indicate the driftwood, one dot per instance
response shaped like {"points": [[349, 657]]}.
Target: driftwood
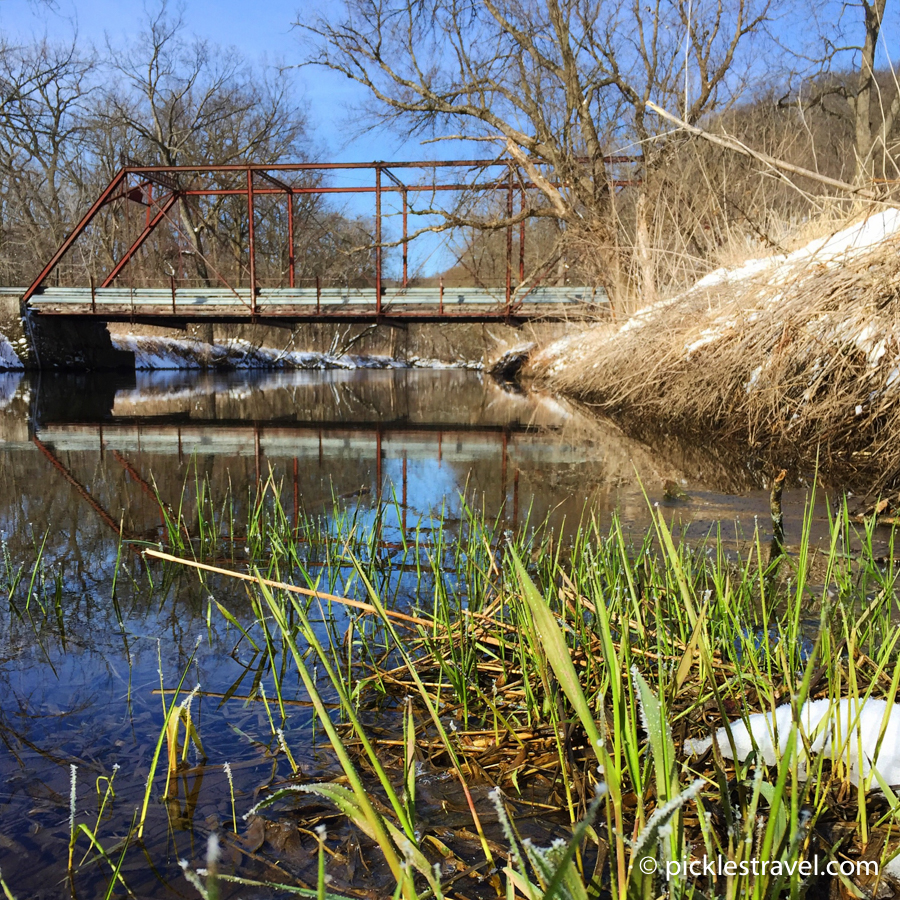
{"points": [[292, 588]]}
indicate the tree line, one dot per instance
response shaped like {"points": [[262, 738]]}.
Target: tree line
{"points": [[70, 117], [556, 86], [562, 85]]}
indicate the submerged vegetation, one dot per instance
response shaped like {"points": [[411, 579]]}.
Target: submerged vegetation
{"points": [[505, 714]]}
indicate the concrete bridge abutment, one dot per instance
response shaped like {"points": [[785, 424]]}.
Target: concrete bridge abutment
{"points": [[50, 343]]}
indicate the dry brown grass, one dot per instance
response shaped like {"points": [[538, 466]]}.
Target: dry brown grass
{"points": [[803, 359]]}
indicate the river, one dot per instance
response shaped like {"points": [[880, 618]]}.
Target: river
{"points": [[90, 467]]}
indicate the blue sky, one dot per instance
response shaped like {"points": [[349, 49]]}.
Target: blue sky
{"points": [[262, 31]]}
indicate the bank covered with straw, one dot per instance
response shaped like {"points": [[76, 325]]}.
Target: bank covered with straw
{"points": [[796, 353]]}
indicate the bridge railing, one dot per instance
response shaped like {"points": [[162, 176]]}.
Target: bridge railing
{"points": [[195, 302]]}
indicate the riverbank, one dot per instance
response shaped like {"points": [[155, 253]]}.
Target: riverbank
{"points": [[795, 355], [153, 353], [31, 341]]}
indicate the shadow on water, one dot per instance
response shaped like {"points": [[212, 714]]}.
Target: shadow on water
{"points": [[82, 646]]}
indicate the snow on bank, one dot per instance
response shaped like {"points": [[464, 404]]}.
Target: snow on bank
{"points": [[827, 251], [155, 353], [763, 283], [9, 359]]}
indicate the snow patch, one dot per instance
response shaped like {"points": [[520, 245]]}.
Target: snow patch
{"points": [[754, 377], [422, 362], [847, 729], [9, 359], [830, 251], [161, 353]]}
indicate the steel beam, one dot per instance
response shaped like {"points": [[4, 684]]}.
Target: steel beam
{"points": [[378, 239], [311, 167], [118, 178], [252, 246], [385, 189], [405, 240], [291, 272], [148, 230], [509, 212]]}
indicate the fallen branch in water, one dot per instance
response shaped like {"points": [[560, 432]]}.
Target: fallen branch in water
{"points": [[292, 588]]}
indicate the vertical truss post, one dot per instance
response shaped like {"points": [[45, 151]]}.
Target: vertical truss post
{"points": [[405, 244], [378, 240], [252, 245], [291, 275], [509, 211], [125, 215], [522, 243]]}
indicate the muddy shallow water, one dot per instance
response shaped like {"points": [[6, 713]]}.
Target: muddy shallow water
{"points": [[82, 653]]}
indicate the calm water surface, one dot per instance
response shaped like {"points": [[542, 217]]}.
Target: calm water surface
{"points": [[80, 657]]}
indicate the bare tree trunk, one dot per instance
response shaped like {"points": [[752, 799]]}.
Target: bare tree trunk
{"points": [[193, 236], [643, 251], [861, 103]]}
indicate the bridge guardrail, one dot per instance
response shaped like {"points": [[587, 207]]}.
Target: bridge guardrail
{"points": [[164, 301]]}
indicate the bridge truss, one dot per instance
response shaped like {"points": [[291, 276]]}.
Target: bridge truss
{"points": [[262, 202]]}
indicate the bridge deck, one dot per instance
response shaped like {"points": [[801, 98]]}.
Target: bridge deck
{"points": [[423, 303]]}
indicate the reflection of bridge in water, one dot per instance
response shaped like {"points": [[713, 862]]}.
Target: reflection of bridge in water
{"points": [[513, 447], [316, 441], [425, 437]]}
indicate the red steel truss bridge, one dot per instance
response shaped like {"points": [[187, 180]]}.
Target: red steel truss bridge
{"points": [[263, 229]]}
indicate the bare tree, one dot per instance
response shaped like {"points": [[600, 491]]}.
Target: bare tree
{"points": [[44, 92], [556, 84], [183, 101], [844, 81]]}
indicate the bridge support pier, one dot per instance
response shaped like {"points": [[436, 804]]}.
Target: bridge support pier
{"points": [[49, 344]]}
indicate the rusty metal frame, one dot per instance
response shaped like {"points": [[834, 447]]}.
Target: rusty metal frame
{"points": [[86, 220], [139, 241], [180, 182]]}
